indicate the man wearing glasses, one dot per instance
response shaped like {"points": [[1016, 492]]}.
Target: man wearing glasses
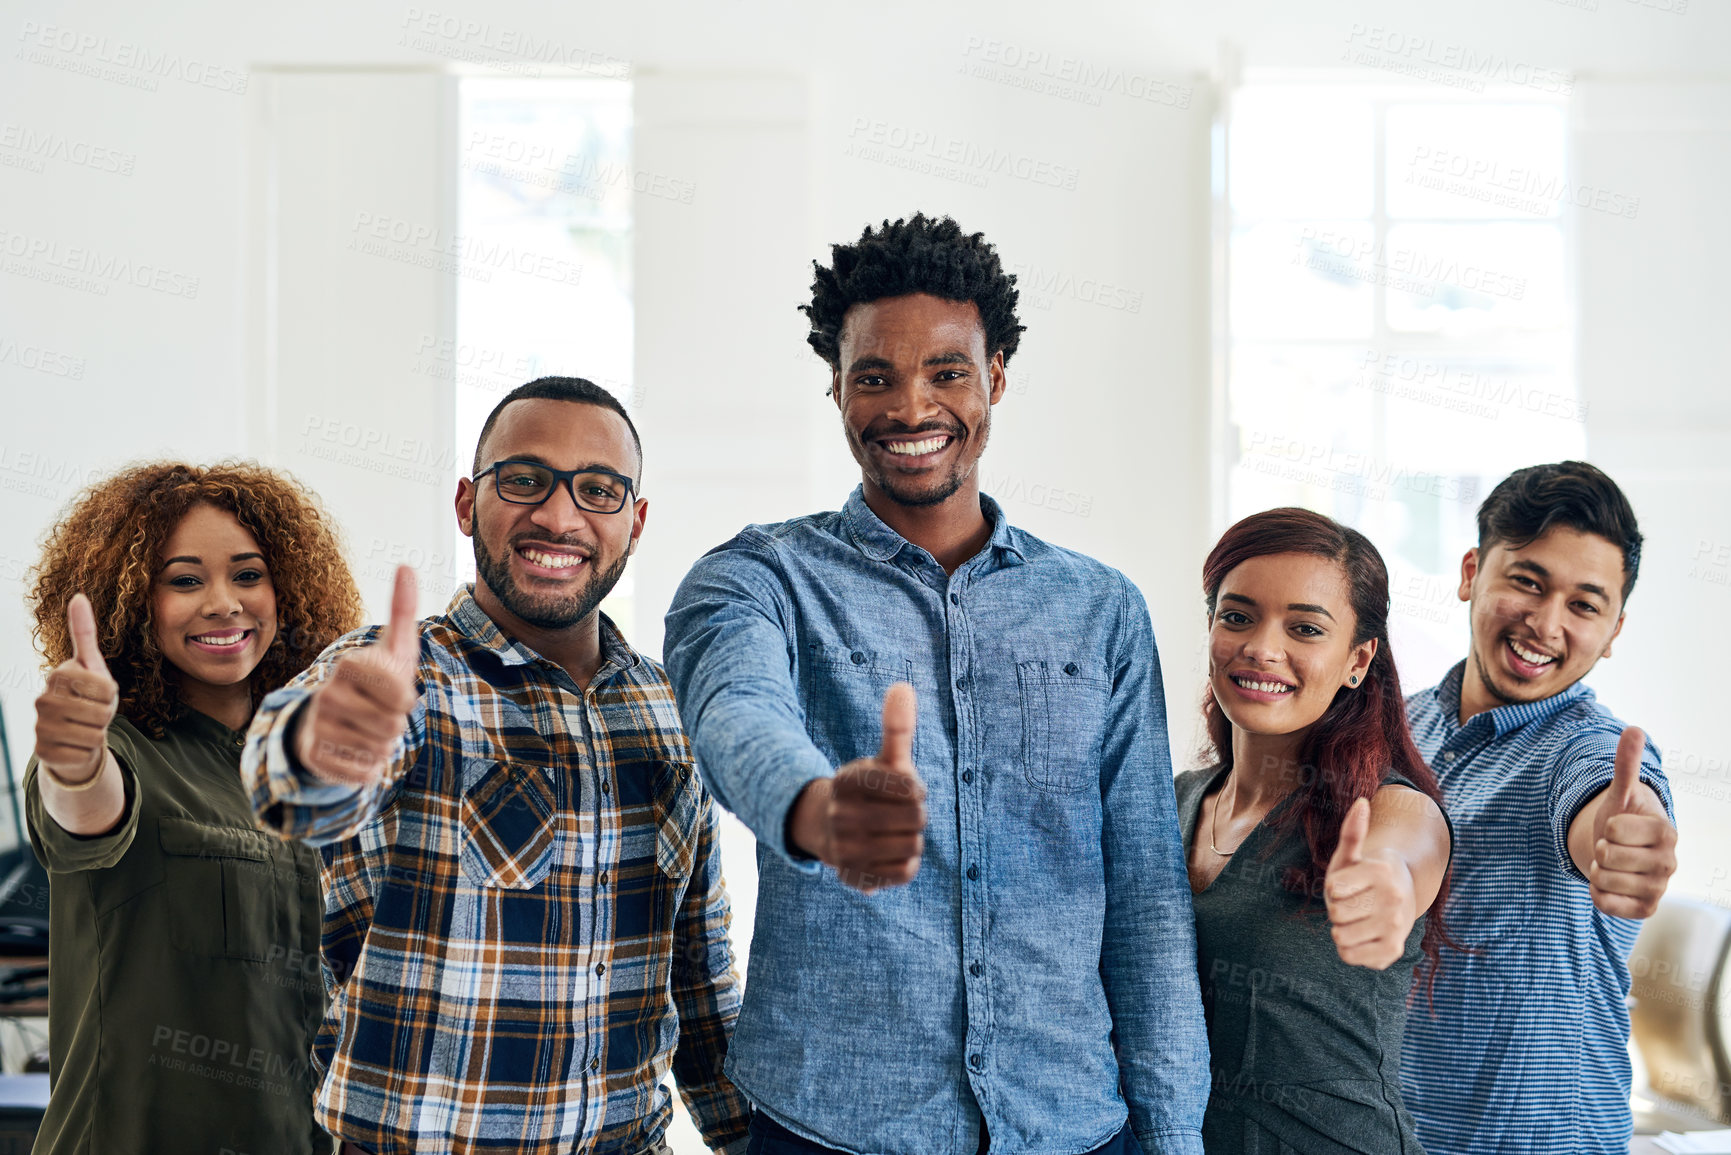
{"points": [[525, 921]]}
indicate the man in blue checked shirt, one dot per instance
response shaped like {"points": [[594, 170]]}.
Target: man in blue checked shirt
{"points": [[1563, 834], [525, 920], [973, 927]]}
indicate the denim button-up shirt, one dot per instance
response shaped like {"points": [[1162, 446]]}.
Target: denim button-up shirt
{"points": [[1039, 974]]}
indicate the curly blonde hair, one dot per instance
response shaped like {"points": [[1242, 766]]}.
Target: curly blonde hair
{"points": [[107, 546]]}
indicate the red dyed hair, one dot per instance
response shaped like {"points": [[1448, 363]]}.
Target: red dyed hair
{"points": [[1363, 734]]}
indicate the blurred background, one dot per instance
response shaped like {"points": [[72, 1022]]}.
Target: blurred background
{"points": [[1362, 257]]}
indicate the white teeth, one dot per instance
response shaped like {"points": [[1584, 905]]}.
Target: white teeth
{"points": [[552, 560], [1529, 656], [916, 448], [1265, 687], [219, 639]]}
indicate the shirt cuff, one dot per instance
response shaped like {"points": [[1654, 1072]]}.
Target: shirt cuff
{"points": [[62, 851], [1180, 1142], [737, 1147], [795, 857]]}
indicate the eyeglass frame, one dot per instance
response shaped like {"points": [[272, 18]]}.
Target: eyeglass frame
{"points": [[561, 477]]}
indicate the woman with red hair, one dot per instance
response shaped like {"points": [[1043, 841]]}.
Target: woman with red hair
{"points": [[1317, 845], [184, 975]]}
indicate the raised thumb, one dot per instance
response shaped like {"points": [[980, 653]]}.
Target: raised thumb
{"points": [[1350, 849], [81, 622], [900, 713]]}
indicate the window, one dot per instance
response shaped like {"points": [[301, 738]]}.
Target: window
{"points": [[1397, 332], [544, 287]]}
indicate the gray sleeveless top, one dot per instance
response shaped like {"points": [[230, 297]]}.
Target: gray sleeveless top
{"points": [[1304, 1049]]}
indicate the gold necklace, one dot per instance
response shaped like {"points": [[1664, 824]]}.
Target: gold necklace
{"points": [[1214, 826]]}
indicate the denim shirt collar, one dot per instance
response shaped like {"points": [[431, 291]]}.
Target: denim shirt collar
{"points": [[468, 616], [881, 543], [1504, 720]]}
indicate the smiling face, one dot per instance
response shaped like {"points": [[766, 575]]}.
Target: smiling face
{"points": [[1542, 615], [916, 388], [1280, 643], [551, 564], [213, 608]]}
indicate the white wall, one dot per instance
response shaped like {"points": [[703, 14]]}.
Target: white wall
{"points": [[1655, 372], [1110, 401]]}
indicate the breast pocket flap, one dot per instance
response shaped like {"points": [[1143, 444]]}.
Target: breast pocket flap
{"points": [[510, 827]]}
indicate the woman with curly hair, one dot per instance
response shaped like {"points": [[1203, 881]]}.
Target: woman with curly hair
{"points": [[184, 975], [1317, 843]]}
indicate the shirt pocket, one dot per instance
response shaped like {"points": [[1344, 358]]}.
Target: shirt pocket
{"points": [[844, 699], [1063, 722], [220, 881], [510, 829], [678, 814]]}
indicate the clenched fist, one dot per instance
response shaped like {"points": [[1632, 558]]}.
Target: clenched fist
{"points": [[1370, 898], [869, 820], [351, 723], [74, 710], [1634, 843]]}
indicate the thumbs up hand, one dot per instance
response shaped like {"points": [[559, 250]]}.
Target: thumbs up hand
{"points": [[1369, 895], [1634, 843], [75, 708], [869, 820], [351, 723]]}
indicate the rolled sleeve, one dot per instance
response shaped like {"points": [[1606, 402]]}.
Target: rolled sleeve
{"points": [[728, 658], [1183, 1142], [58, 849], [1584, 768], [1148, 951]]}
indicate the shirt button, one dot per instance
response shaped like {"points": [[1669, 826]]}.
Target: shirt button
{"points": [[973, 872], [962, 684], [606, 787], [594, 1064], [976, 1060], [955, 599], [600, 968], [1071, 668], [976, 970], [1448, 755], [603, 878], [967, 775], [857, 657]]}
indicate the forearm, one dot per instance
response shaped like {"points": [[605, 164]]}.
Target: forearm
{"points": [[96, 808], [1148, 945], [707, 1011], [706, 995], [1408, 830], [729, 656], [1148, 966]]}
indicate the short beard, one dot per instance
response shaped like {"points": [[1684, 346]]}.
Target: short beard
{"points": [[946, 490], [496, 574], [1489, 683], [948, 487]]}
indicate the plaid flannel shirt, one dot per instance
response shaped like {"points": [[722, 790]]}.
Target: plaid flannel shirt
{"points": [[525, 919]]}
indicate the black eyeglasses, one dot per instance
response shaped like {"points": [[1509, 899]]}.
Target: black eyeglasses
{"points": [[531, 483]]}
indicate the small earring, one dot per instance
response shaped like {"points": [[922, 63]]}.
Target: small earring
{"points": [[1353, 680]]}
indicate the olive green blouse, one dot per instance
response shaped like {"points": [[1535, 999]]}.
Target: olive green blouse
{"points": [[184, 979]]}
